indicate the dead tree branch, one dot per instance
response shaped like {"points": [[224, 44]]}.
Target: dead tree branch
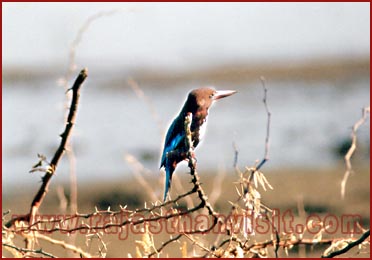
{"points": [[138, 170], [349, 246], [267, 138], [141, 95], [63, 244], [79, 37], [38, 199], [25, 250], [352, 148]]}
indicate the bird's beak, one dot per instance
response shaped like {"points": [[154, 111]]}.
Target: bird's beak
{"points": [[223, 93]]}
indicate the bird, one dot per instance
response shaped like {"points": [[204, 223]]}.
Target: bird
{"points": [[197, 103]]}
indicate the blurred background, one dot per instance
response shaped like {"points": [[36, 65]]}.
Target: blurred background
{"points": [[315, 58], [143, 59]]}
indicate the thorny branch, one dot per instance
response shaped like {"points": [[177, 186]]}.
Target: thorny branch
{"points": [[38, 199], [129, 221]]}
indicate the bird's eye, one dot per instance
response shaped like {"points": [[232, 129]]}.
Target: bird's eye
{"points": [[211, 95]]}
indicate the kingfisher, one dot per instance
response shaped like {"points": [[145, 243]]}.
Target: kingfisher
{"points": [[197, 103]]}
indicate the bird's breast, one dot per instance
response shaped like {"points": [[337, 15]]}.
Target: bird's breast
{"points": [[202, 129], [198, 128]]}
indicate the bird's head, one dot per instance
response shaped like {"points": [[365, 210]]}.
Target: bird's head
{"points": [[204, 97]]}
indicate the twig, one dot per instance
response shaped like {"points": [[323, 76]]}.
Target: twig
{"points": [[25, 250], [229, 240], [5, 213], [79, 36], [352, 148], [199, 245], [176, 181], [277, 241], [62, 198], [267, 138], [97, 236], [349, 246], [157, 251], [73, 179], [138, 168], [236, 155], [38, 199], [141, 95], [63, 244], [288, 243], [217, 186]]}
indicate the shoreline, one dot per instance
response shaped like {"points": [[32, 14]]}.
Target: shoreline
{"points": [[317, 69]]}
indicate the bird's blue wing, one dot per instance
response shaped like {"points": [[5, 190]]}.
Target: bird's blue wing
{"points": [[172, 140], [174, 137]]}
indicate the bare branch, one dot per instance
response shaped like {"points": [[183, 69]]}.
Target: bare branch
{"points": [[63, 244], [195, 242], [352, 148], [267, 138], [38, 199], [141, 95], [236, 155], [217, 186], [138, 168], [157, 251], [25, 250], [349, 246], [79, 37]]}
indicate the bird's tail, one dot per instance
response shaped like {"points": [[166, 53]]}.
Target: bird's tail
{"points": [[168, 179]]}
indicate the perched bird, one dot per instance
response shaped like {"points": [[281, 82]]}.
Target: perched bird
{"points": [[198, 102]]}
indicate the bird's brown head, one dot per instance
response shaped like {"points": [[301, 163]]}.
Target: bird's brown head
{"points": [[201, 99]]}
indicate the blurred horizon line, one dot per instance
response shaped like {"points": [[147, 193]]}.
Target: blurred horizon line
{"points": [[316, 69]]}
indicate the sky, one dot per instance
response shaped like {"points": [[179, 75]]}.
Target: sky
{"points": [[178, 35]]}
